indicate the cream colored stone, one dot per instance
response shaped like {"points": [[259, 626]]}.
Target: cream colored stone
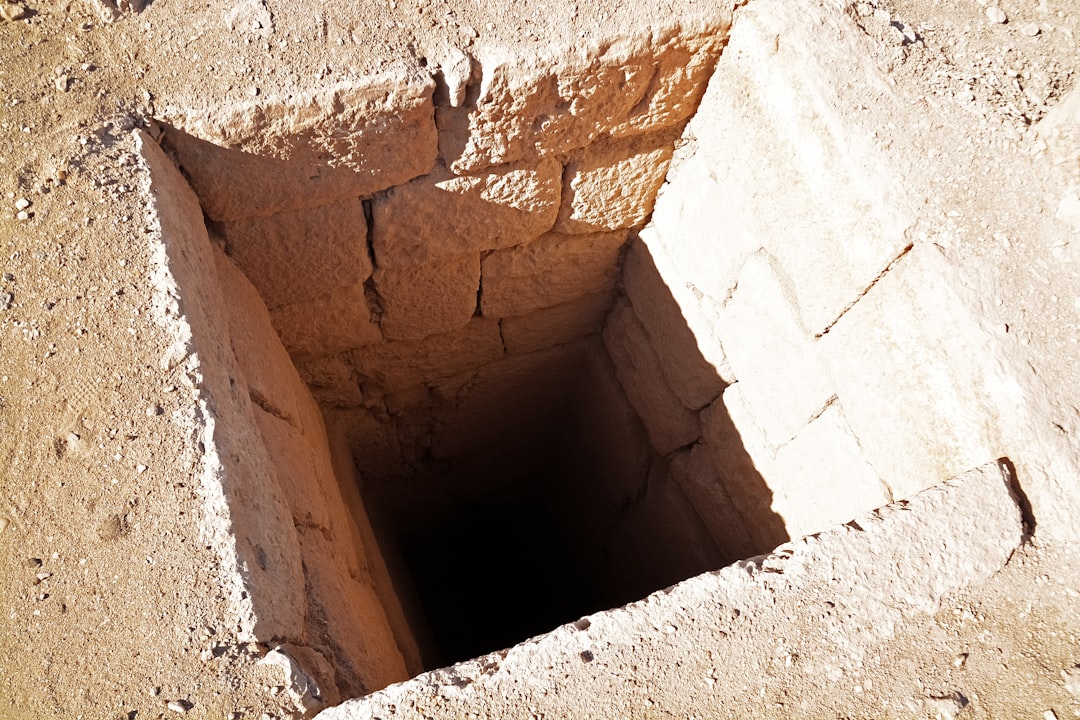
{"points": [[552, 269], [422, 300], [774, 359], [669, 423], [442, 215], [296, 256], [557, 324], [285, 153], [612, 185], [922, 383], [693, 378], [334, 322], [402, 364], [532, 106], [775, 160]]}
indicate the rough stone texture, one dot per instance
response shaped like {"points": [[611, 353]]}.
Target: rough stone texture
{"points": [[694, 379], [669, 423], [550, 105], [552, 269], [818, 478], [557, 324], [694, 472], [336, 321], [956, 534], [246, 519], [296, 256], [964, 394], [442, 215], [422, 300], [406, 363], [774, 359], [612, 185], [775, 163], [276, 154], [331, 381]]}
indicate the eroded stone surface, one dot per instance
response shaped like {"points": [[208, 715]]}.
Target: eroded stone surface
{"points": [[422, 300]]}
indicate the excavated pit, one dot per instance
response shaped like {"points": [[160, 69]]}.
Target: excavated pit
{"points": [[566, 369]]}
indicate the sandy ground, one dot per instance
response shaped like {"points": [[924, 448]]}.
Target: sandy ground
{"points": [[94, 487]]}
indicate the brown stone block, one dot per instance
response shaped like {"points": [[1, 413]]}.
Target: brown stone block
{"points": [[402, 364], [301, 254], [335, 321], [558, 324], [443, 215], [422, 300], [552, 269], [613, 185]]}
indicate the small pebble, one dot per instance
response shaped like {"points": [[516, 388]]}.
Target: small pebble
{"points": [[8, 277], [5, 300], [61, 83], [1032, 30], [3, 524], [154, 410], [1072, 681], [179, 706], [22, 204], [22, 215], [13, 11], [1049, 715], [996, 15]]}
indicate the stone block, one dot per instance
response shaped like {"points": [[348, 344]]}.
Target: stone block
{"points": [[920, 380], [443, 215], [556, 325], [693, 378], [612, 185], [774, 359], [372, 439], [275, 154], [260, 355], [669, 423], [331, 380], [552, 269], [740, 456], [402, 364], [422, 300], [778, 163], [531, 106], [299, 255], [294, 461], [703, 487], [332, 323]]}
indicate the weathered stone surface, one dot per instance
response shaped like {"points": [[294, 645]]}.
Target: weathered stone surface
{"points": [[693, 378], [331, 323], [330, 380], [550, 105], [277, 154], [372, 440], [774, 359], [443, 215], [296, 256], [669, 423], [612, 185], [406, 363], [556, 325], [950, 537], [738, 451], [776, 162], [694, 472], [918, 376], [244, 519], [552, 269], [423, 300]]}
